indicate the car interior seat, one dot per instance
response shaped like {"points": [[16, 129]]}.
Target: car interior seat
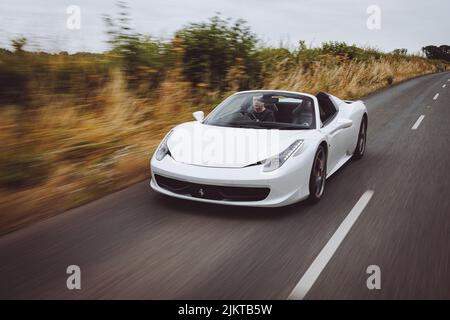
{"points": [[303, 113], [274, 108]]}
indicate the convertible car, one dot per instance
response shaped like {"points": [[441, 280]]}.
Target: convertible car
{"points": [[263, 148]]}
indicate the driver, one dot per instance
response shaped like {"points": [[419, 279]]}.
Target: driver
{"points": [[260, 112]]}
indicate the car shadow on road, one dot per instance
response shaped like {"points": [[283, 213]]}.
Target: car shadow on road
{"points": [[182, 206]]}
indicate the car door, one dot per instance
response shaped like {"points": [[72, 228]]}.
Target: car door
{"points": [[348, 123], [335, 129]]}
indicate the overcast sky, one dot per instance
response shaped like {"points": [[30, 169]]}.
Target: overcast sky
{"points": [[404, 24]]}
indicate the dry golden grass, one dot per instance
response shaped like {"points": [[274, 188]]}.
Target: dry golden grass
{"points": [[89, 154], [350, 79]]}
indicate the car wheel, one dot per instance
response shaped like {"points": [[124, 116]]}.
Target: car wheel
{"points": [[362, 137], [318, 175]]}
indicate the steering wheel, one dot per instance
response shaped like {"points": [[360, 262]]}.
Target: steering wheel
{"points": [[249, 114]]}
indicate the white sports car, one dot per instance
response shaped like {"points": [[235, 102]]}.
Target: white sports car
{"points": [[263, 148]]}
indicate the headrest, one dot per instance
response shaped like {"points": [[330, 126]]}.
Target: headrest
{"points": [[270, 100], [304, 107], [272, 106]]}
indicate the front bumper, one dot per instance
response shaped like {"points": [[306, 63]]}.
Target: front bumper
{"points": [[287, 184]]}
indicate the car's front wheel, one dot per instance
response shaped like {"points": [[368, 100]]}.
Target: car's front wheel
{"points": [[318, 175]]}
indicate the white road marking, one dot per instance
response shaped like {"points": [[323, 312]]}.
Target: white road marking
{"points": [[444, 85], [417, 124], [436, 96], [314, 270]]}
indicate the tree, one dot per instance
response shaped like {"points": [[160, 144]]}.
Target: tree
{"points": [[18, 44], [440, 53], [143, 57], [402, 51], [213, 48]]}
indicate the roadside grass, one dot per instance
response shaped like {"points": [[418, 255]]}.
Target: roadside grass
{"points": [[350, 79]]}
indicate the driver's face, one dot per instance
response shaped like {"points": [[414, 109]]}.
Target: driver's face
{"points": [[258, 106]]}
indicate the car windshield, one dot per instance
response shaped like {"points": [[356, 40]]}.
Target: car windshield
{"points": [[263, 109]]}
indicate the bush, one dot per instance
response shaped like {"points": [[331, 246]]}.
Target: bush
{"points": [[351, 52], [400, 52], [144, 60], [21, 167], [27, 77], [210, 49], [13, 83]]}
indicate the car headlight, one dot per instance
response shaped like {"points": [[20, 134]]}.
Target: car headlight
{"points": [[277, 161], [163, 149]]}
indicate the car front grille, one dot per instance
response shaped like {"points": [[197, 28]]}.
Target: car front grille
{"points": [[212, 192]]}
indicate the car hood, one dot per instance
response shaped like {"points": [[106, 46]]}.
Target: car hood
{"points": [[214, 146]]}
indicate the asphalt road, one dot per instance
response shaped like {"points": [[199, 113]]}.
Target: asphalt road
{"points": [[138, 244]]}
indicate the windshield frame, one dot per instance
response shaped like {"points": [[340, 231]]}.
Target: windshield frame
{"points": [[277, 125]]}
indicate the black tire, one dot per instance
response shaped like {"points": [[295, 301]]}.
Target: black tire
{"points": [[362, 139], [318, 175]]}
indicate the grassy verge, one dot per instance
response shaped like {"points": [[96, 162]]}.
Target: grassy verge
{"points": [[58, 157]]}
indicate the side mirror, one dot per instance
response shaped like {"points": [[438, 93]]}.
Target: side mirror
{"points": [[199, 116], [345, 123]]}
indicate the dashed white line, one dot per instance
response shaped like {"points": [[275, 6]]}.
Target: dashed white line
{"points": [[418, 122], [444, 85], [314, 270], [436, 96]]}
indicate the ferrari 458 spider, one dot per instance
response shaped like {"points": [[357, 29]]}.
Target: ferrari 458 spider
{"points": [[263, 148]]}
